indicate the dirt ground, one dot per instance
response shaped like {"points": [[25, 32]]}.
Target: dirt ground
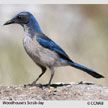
{"points": [[71, 91]]}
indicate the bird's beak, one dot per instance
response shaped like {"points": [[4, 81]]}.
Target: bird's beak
{"points": [[9, 22]]}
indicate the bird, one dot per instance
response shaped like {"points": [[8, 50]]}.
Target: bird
{"points": [[43, 50]]}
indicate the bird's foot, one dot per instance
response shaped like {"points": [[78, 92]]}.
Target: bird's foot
{"points": [[42, 86], [32, 84], [39, 85]]}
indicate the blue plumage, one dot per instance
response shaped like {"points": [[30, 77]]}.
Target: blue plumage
{"points": [[81, 66], [32, 23], [85, 69], [48, 43], [51, 45]]}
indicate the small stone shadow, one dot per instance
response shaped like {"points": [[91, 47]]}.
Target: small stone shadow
{"points": [[86, 83]]}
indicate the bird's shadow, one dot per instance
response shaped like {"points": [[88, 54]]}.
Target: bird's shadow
{"points": [[56, 85], [47, 86]]}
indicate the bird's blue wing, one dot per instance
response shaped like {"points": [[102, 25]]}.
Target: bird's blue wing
{"points": [[51, 45]]}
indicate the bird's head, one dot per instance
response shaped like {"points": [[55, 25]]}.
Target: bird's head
{"points": [[21, 18], [27, 20]]}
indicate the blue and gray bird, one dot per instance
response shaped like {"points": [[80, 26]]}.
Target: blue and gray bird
{"points": [[44, 51]]}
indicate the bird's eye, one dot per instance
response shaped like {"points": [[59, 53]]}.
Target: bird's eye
{"points": [[19, 17]]}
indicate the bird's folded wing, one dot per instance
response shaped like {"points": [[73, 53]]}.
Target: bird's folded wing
{"points": [[51, 45]]}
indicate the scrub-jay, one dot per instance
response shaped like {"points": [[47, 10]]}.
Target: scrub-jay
{"points": [[43, 51]]}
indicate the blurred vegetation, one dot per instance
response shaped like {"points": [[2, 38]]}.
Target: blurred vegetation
{"points": [[81, 30]]}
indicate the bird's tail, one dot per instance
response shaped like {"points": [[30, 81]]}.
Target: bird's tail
{"points": [[85, 69]]}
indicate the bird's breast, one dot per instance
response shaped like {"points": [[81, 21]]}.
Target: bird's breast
{"points": [[40, 54], [31, 48]]}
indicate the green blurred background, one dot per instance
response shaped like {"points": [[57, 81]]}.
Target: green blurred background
{"points": [[81, 30]]}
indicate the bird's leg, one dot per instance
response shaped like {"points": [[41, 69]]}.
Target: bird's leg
{"points": [[34, 82], [43, 71], [52, 74]]}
